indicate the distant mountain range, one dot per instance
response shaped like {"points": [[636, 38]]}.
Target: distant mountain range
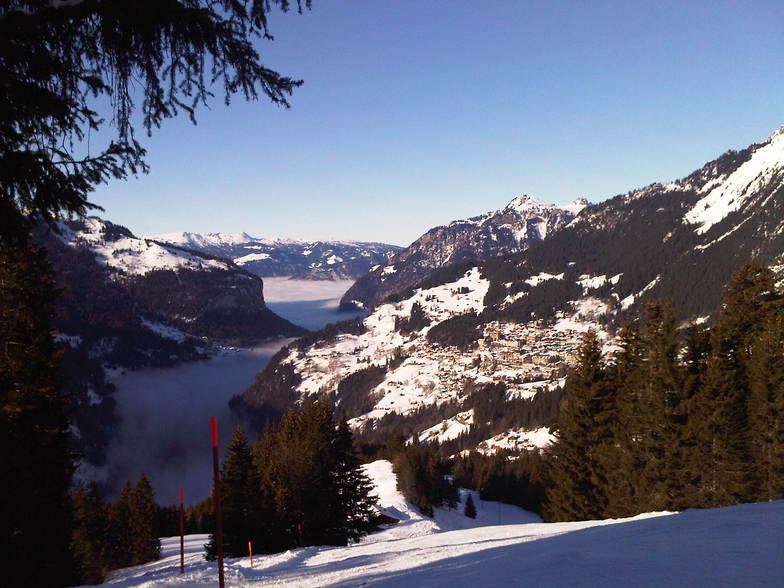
{"points": [[521, 223], [307, 260], [513, 322]]}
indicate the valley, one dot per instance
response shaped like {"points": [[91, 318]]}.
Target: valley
{"points": [[401, 294], [163, 412]]}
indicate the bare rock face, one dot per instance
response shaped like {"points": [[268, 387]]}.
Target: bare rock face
{"points": [[514, 228]]}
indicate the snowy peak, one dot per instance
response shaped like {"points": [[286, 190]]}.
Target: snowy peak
{"points": [[316, 260], [116, 247], [207, 240], [526, 204], [576, 206], [512, 229], [729, 193]]}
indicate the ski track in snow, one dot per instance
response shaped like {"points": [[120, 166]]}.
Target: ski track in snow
{"points": [[739, 546]]}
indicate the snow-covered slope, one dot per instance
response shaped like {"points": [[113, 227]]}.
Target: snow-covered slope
{"points": [[514, 228], [197, 293], [736, 546], [305, 260], [116, 247], [728, 193], [406, 359]]}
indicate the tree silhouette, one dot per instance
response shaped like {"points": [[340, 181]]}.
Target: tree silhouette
{"points": [[73, 73], [61, 62]]}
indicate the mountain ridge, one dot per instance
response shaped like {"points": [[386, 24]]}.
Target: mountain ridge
{"points": [[511, 229], [515, 321], [299, 259]]}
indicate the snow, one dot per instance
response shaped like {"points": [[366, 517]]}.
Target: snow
{"points": [[71, 340], [542, 277], [725, 235], [517, 439], [629, 300], [251, 257], [448, 429], [584, 316], [404, 388], [739, 546], [576, 206], [165, 331], [588, 282], [209, 239], [134, 256], [333, 259], [730, 193]]}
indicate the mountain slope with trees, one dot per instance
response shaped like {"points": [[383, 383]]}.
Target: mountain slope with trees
{"points": [[519, 317], [676, 420], [514, 228]]}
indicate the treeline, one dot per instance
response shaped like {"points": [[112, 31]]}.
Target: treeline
{"points": [[673, 419], [300, 485], [416, 321], [519, 479], [495, 414], [421, 477], [677, 420], [107, 536]]}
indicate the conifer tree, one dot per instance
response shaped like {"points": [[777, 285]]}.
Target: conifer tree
{"points": [[420, 479], [693, 415], [660, 440], [622, 459], [766, 411], [584, 431], [144, 543], [34, 423], [310, 476], [242, 508], [119, 538], [355, 490], [749, 300], [89, 533], [470, 508]]}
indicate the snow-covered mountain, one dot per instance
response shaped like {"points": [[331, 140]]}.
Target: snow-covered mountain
{"points": [[421, 360], [199, 294], [512, 229], [129, 303], [310, 260], [505, 546]]}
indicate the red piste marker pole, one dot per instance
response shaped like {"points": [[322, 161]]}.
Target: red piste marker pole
{"points": [[216, 498], [250, 552], [182, 530]]}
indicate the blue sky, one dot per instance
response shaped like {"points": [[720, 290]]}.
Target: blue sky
{"points": [[415, 113]]}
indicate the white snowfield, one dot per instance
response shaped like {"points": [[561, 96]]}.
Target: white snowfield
{"points": [[740, 546], [132, 255], [727, 194]]}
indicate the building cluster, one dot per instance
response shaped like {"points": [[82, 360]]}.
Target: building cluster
{"points": [[534, 350]]}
